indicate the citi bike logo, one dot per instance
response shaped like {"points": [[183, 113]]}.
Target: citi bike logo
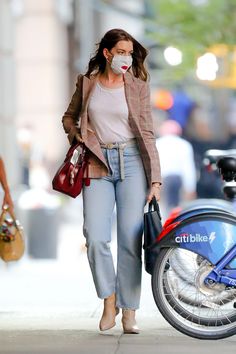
{"points": [[193, 238]]}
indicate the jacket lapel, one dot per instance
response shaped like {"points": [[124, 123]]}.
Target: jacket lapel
{"points": [[88, 87], [87, 132], [131, 94], [87, 90]]}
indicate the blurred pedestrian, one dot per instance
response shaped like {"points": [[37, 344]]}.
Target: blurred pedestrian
{"points": [[111, 105], [7, 200], [177, 166], [182, 108]]}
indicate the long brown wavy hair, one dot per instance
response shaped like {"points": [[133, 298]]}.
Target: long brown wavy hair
{"points": [[98, 62]]}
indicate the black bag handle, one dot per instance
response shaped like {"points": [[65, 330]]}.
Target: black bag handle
{"points": [[154, 206]]}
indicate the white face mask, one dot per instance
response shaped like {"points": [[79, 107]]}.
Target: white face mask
{"points": [[121, 63]]}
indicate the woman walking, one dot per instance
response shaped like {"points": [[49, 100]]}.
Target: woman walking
{"points": [[110, 113]]}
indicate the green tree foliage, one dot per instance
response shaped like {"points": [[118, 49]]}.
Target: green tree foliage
{"points": [[192, 26]]}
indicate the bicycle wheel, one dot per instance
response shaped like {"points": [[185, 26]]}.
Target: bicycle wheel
{"points": [[208, 313], [178, 261]]}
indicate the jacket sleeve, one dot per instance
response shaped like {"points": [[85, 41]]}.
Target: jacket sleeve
{"points": [[71, 117], [147, 128]]}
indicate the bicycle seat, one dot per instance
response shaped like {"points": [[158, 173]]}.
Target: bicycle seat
{"points": [[227, 167]]}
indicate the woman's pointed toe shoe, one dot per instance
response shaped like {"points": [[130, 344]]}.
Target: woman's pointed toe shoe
{"points": [[110, 312], [129, 322]]}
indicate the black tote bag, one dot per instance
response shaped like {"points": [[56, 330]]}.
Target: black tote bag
{"points": [[152, 228]]}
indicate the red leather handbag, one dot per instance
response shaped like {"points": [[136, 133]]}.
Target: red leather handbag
{"points": [[73, 173]]}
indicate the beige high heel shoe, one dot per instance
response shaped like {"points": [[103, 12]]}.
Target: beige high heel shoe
{"points": [[110, 312], [129, 322]]}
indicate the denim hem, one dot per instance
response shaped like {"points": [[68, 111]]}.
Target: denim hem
{"points": [[106, 296], [127, 307]]}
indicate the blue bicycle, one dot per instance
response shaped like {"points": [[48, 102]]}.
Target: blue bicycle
{"points": [[194, 277]]}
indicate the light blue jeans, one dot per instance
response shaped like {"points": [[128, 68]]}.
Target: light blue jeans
{"points": [[99, 200]]}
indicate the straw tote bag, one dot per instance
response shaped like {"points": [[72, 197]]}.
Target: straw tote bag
{"points": [[12, 245]]}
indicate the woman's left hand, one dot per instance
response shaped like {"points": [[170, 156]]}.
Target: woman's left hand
{"points": [[154, 192]]}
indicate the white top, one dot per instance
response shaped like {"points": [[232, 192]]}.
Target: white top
{"points": [[108, 114], [176, 157]]}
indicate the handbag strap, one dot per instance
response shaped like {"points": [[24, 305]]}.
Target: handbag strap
{"points": [[6, 211], [2, 216], [154, 206]]}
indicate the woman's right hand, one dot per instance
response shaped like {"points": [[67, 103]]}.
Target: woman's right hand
{"points": [[79, 138]]}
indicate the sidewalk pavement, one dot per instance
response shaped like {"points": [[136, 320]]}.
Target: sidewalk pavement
{"points": [[52, 307]]}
